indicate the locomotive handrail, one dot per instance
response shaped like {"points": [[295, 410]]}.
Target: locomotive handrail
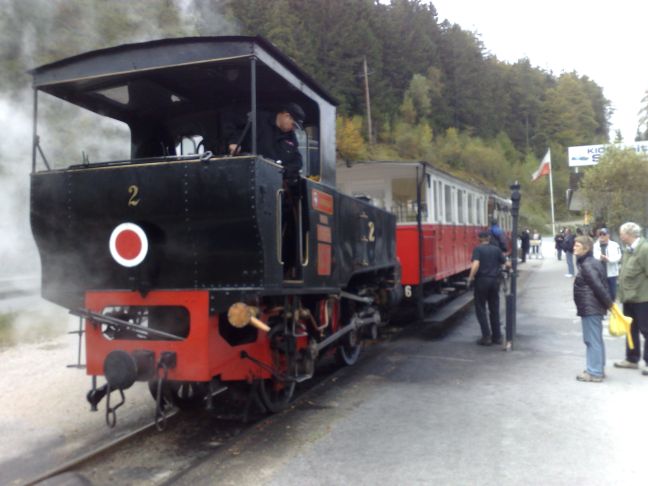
{"points": [[300, 229], [103, 319], [278, 226], [306, 260]]}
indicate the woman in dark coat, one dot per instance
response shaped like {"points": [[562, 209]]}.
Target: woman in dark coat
{"points": [[592, 299]]}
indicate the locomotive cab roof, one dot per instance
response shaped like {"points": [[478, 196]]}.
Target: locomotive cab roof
{"points": [[173, 85]]}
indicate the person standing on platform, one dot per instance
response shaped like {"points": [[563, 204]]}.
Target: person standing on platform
{"points": [[487, 261], [633, 292], [535, 244], [525, 244], [497, 236], [558, 239], [608, 252], [592, 299], [568, 248]]}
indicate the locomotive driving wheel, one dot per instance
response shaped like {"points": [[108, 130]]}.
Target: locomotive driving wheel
{"points": [[277, 391], [349, 349]]}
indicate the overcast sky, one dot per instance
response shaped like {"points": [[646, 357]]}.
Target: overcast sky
{"points": [[604, 40]]}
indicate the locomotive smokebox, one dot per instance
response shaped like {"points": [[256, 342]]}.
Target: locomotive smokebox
{"points": [[122, 369]]}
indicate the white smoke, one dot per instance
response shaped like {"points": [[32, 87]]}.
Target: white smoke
{"points": [[17, 249]]}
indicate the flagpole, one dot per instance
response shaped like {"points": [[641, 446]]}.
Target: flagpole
{"points": [[551, 196]]}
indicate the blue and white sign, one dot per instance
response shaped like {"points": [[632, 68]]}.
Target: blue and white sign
{"points": [[590, 154]]}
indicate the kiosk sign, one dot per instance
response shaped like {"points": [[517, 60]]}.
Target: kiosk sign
{"points": [[590, 154]]}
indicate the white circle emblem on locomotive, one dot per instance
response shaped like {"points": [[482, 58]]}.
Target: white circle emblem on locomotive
{"points": [[128, 244]]}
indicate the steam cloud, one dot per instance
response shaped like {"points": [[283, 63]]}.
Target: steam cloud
{"points": [[65, 132]]}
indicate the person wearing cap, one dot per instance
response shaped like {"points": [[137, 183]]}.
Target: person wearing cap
{"points": [[633, 292], [276, 139], [608, 252], [487, 261]]}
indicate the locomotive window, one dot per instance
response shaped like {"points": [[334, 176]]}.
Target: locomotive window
{"points": [[190, 145], [80, 135], [118, 94]]}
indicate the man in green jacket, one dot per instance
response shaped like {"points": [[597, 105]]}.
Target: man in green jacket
{"points": [[633, 292]]}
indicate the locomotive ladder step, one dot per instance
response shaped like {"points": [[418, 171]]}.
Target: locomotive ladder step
{"points": [[452, 308]]}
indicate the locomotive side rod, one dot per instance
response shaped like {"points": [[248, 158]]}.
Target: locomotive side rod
{"points": [[355, 324], [102, 319]]}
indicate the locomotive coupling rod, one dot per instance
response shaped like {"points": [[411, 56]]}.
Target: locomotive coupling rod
{"points": [[356, 323], [102, 319], [357, 298]]}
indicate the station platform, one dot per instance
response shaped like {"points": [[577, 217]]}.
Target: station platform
{"points": [[445, 411]]}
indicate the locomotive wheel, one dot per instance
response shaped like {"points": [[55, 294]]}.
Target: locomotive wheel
{"points": [[348, 351], [186, 395], [276, 394]]}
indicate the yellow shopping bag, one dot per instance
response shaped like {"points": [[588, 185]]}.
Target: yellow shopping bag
{"points": [[620, 325]]}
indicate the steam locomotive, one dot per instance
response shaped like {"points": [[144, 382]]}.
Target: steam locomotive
{"points": [[194, 270]]}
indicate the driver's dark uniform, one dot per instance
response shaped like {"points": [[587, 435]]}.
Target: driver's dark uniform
{"points": [[274, 144]]}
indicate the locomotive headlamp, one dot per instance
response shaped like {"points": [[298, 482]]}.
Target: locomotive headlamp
{"points": [[240, 315]]}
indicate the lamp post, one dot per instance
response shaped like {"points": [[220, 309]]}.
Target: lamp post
{"points": [[511, 296]]}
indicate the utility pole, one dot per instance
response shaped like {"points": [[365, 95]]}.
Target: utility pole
{"points": [[367, 101]]}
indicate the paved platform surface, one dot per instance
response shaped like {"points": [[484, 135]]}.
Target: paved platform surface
{"points": [[446, 411]]}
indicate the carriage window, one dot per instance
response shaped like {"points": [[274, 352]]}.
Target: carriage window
{"points": [[461, 219], [471, 209], [438, 202], [480, 211], [404, 200], [447, 191]]}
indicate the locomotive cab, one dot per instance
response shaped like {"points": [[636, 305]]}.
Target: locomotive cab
{"points": [[190, 265]]}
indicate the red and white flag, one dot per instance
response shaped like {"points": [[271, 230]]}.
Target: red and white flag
{"points": [[545, 167]]}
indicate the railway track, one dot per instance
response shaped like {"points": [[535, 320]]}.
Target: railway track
{"points": [[189, 438], [97, 453]]}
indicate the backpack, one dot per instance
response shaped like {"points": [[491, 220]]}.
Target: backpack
{"points": [[499, 241]]}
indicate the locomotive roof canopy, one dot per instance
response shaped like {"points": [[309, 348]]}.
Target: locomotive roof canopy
{"points": [[179, 75]]}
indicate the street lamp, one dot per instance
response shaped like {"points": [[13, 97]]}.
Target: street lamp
{"points": [[511, 296]]}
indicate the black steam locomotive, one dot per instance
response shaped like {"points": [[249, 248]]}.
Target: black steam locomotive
{"points": [[177, 258]]}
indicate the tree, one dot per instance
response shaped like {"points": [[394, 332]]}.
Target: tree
{"points": [[616, 190], [643, 119], [350, 144]]}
